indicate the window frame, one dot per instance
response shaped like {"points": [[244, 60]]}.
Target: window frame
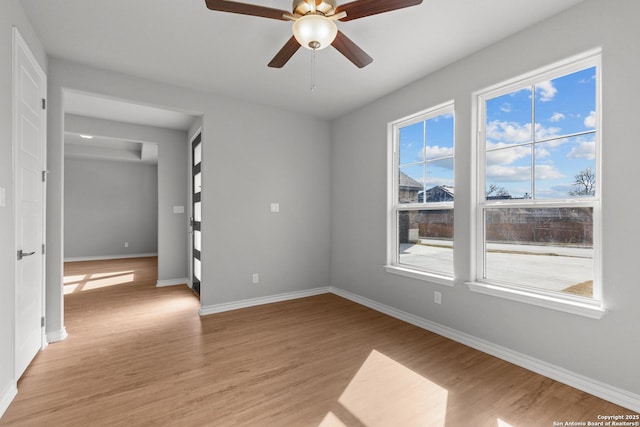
{"points": [[589, 307], [393, 264]]}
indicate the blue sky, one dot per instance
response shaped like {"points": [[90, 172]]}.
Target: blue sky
{"points": [[563, 106], [426, 151]]}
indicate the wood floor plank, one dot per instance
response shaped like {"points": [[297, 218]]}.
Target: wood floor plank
{"points": [[138, 355]]}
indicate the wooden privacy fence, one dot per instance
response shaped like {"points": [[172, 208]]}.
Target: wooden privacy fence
{"points": [[549, 225]]}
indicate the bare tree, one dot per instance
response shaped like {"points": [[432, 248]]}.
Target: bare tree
{"points": [[497, 191], [584, 183]]}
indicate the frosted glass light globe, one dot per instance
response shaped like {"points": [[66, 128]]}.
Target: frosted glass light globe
{"points": [[314, 31]]}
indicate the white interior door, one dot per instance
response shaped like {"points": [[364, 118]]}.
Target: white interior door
{"points": [[29, 125]]}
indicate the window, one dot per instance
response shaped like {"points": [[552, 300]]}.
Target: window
{"points": [[539, 186], [421, 195]]}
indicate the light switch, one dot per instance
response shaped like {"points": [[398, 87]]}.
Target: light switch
{"points": [[275, 207], [178, 209]]}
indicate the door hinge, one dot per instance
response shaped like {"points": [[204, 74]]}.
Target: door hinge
{"points": [[44, 104], [43, 248], [44, 176], [42, 322]]}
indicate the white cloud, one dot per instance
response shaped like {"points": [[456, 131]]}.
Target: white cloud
{"points": [[500, 173], [584, 150], [507, 156], [590, 120], [436, 152], [544, 133], [442, 116], [547, 90], [542, 153], [556, 117], [506, 107], [547, 172], [508, 132], [434, 181], [505, 133]]}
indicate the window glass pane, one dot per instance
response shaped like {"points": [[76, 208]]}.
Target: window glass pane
{"points": [[197, 182], [425, 239], [197, 269], [508, 119], [412, 143], [197, 154], [439, 137], [197, 240], [410, 183], [197, 211], [565, 167], [544, 248], [508, 173], [439, 180], [566, 105]]}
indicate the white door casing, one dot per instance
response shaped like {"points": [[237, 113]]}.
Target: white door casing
{"points": [[29, 151]]}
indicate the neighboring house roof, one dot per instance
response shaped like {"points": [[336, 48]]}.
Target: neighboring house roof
{"points": [[446, 188], [408, 183], [439, 193]]}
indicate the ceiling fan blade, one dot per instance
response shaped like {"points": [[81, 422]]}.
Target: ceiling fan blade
{"points": [[247, 9], [285, 53], [351, 51], [361, 8]]}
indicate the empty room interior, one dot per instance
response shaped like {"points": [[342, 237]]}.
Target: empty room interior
{"points": [[369, 213]]}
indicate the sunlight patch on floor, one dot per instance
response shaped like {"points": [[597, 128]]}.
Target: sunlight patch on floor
{"points": [[331, 420], [96, 280], [385, 392]]}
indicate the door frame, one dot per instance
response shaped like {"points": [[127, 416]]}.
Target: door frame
{"points": [[18, 43], [197, 135]]}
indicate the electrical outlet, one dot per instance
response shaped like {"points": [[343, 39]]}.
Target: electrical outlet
{"points": [[437, 297], [256, 278], [126, 244]]}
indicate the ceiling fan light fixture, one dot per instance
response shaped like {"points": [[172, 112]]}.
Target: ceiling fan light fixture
{"points": [[314, 32]]}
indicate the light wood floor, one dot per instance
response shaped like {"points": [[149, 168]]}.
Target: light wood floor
{"points": [[141, 355]]}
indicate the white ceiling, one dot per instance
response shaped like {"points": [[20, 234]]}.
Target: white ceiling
{"points": [[183, 43]]}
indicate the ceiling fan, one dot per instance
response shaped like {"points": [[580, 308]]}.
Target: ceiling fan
{"points": [[314, 24]]}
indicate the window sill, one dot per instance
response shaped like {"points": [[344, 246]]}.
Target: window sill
{"points": [[420, 275], [554, 303]]}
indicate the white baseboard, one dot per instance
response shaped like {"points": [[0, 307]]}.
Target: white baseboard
{"points": [[7, 396], [607, 392], [172, 282], [104, 257], [57, 336], [219, 308]]}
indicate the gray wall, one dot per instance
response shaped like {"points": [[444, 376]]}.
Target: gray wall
{"points": [[107, 203], [605, 350], [11, 14], [253, 155]]}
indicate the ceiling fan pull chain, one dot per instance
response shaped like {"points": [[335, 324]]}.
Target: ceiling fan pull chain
{"points": [[313, 70]]}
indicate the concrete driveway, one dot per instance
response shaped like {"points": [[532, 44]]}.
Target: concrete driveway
{"points": [[547, 267]]}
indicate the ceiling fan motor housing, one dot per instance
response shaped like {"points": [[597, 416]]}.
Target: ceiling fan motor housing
{"points": [[323, 7]]}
